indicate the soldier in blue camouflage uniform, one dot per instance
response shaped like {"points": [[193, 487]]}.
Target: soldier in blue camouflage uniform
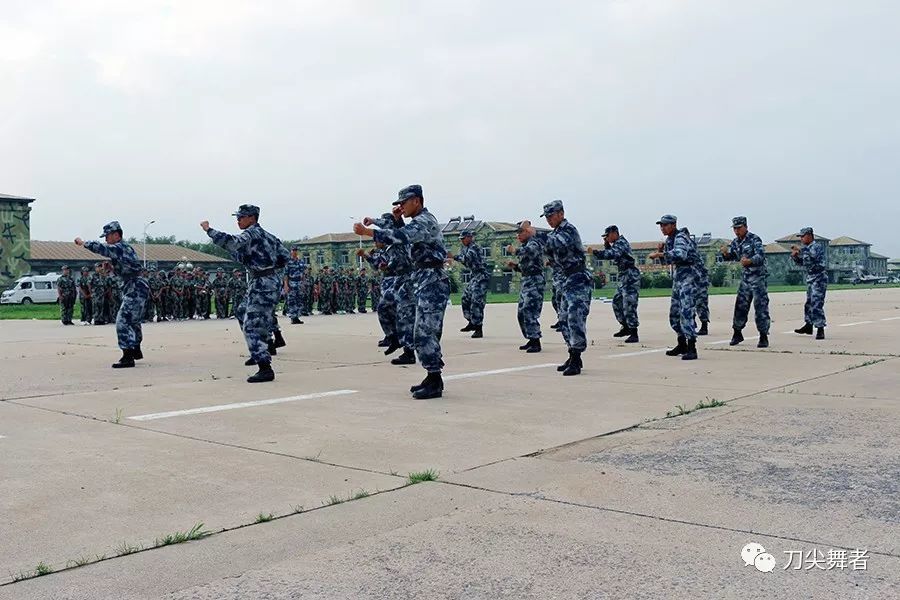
{"points": [[531, 296], [679, 250], [398, 300], [811, 256], [135, 288], [625, 301], [67, 294], [749, 249], [263, 255], [84, 294], [702, 298], [564, 246], [386, 318], [475, 295], [557, 281], [293, 279], [431, 285]]}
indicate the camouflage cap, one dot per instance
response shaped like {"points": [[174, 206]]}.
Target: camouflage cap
{"points": [[519, 227], [806, 230], [220, 270], [667, 220], [552, 207], [738, 222], [85, 269], [64, 267], [246, 210], [410, 191], [236, 271], [152, 267], [111, 227], [466, 234], [294, 247], [610, 229]]}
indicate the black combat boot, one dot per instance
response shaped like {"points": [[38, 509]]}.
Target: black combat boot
{"points": [[679, 348], [534, 346], [250, 362], [126, 362], [820, 333], [407, 358], [432, 387], [690, 352], [279, 340], [555, 325], [273, 349], [807, 329], [296, 321], [136, 353], [525, 346], [478, 332], [575, 364], [737, 338], [385, 342], [625, 331], [421, 385], [704, 328], [763, 341], [468, 327], [393, 346], [632, 336], [264, 374], [566, 364]]}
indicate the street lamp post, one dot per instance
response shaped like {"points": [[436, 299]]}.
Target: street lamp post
{"points": [[146, 226]]}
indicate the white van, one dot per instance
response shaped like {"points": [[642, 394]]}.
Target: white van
{"points": [[36, 289]]}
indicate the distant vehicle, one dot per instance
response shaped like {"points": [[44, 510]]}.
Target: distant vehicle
{"points": [[32, 289], [862, 277]]}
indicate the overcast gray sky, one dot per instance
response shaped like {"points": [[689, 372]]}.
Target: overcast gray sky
{"points": [[786, 111]]}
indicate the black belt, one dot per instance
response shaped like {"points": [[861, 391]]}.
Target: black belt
{"points": [[532, 273], [439, 265], [263, 273]]}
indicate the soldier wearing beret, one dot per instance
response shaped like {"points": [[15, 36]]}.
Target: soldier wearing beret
{"points": [[625, 301], [748, 248], [134, 287], [425, 240], [811, 256], [263, 255]]}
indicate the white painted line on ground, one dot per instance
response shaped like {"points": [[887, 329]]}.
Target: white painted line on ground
{"points": [[746, 339], [236, 405], [497, 372], [654, 351], [857, 323], [892, 319]]}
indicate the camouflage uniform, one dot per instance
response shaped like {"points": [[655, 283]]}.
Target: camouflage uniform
{"points": [[474, 297], [237, 290], [681, 251], [262, 254], [135, 288], [702, 285], [431, 286], [567, 252], [84, 294], [98, 294], [754, 285], [531, 296], [158, 293], [812, 258], [67, 293], [220, 291], [625, 300], [294, 271], [557, 282], [307, 282], [362, 291], [397, 308], [203, 300]]}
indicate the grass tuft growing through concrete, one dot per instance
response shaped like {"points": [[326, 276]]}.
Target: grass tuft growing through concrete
{"points": [[422, 476], [180, 537], [264, 518], [681, 410]]}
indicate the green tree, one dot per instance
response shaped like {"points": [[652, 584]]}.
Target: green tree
{"points": [[717, 275], [646, 281], [662, 280], [793, 277]]}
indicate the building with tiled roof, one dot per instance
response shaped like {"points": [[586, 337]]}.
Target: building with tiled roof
{"points": [[49, 257]]}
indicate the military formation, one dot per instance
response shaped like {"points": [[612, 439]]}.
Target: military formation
{"points": [[409, 288]]}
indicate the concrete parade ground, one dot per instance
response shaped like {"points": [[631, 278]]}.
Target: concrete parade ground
{"points": [[594, 486]]}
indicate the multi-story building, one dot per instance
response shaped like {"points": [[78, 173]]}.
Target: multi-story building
{"points": [[15, 237]]}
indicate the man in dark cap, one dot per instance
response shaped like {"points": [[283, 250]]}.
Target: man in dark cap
{"points": [[135, 291], [679, 250], [425, 240], [67, 293], [474, 297], [748, 248], [566, 251], [531, 294], [625, 301], [293, 278], [84, 294], [811, 256], [220, 292], [237, 290], [263, 255], [98, 294]]}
